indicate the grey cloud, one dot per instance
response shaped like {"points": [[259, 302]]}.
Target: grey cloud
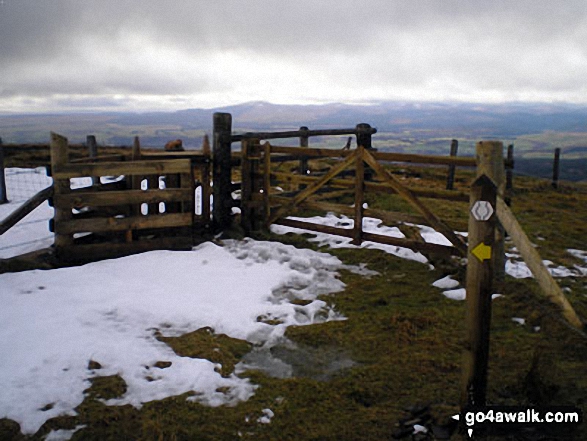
{"points": [[466, 46]]}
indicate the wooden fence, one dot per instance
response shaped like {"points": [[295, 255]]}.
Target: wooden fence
{"points": [[152, 206], [262, 206]]}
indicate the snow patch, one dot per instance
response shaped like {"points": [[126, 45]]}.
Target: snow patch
{"points": [[54, 322], [446, 283]]}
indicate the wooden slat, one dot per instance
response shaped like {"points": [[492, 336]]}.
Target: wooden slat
{"points": [[375, 186], [121, 168], [378, 238], [380, 156], [425, 159], [103, 199], [123, 224], [549, 286], [92, 159], [424, 247], [311, 152], [293, 223], [92, 252], [432, 219], [389, 217], [22, 211], [196, 157], [298, 133], [332, 194]]}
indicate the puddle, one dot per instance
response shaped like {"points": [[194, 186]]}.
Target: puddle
{"points": [[287, 359]]}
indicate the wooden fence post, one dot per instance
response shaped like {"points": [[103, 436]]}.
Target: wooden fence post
{"points": [[450, 179], [303, 170], [92, 153], [206, 182], [60, 156], [509, 172], [3, 194], [490, 163], [222, 211], [359, 195], [136, 181], [479, 287], [555, 167], [266, 184], [246, 187], [364, 135]]}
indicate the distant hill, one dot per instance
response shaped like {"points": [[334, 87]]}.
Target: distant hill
{"points": [[535, 129]]}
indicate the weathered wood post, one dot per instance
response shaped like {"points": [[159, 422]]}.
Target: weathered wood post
{"points": [[221, 178], [246, 187], [3, 194], [59, 157], [489, 155], [206, 181], [266, 184], [556, 167], [135, 181], [304, 142], [92, 153], [509, 172], [479, 286], [364, 135], [364, 132], [450, 179], [359, 196]]}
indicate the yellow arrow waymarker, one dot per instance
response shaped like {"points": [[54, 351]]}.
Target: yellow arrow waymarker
{"points": [[482, 252]]}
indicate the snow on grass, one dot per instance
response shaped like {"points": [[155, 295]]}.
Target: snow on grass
{"points": [[518, 268], [62, 434], [54, 322], [446, 283], [267, 415], [456, 294], [370, 225]]}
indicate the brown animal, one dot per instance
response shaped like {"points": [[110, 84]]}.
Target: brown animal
{"points": [[174, 146]]}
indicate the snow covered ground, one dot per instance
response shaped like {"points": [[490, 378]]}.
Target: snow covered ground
{"points": [[52, 323], [55, 322]]}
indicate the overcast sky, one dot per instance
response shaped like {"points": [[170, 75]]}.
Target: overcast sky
{"points": [[167, 55]]}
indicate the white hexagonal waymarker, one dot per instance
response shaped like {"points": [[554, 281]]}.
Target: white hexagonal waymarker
{"points": [[482, 210]]}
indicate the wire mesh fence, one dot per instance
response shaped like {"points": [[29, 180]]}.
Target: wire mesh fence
{"points": [[31, 233], [23, 183]]}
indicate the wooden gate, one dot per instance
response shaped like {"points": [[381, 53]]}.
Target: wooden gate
{"points": [[261, 206], [149, 205]]}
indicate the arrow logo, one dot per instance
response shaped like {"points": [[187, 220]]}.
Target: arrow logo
{"points": [[482, 252], [458, 417]]}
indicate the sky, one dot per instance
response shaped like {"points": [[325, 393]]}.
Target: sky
{"points": [[83, 55]]}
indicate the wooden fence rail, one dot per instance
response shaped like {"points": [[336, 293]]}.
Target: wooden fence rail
{"points": [[101, 221]]}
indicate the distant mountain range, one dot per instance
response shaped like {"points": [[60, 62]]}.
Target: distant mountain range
{"points": [[535, 129]]}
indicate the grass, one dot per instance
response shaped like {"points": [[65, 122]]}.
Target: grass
{"points": [[404, 337]]}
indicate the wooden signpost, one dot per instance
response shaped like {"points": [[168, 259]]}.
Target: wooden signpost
{"points": [[480, 274]]}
